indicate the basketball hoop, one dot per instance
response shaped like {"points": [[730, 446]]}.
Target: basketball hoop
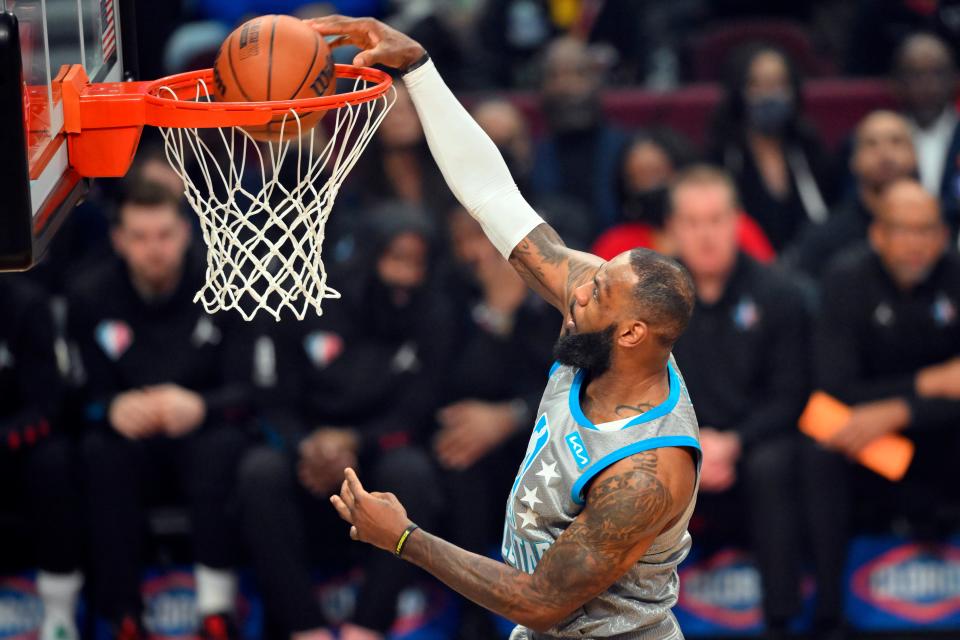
{"points": [[263, 207]]}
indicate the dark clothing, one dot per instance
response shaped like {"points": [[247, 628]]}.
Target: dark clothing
{"points": [[126, 343], [819, 244], [582, 166], [872, 338], [289, 530], [870, 341], [744, 357], [30, 384], [37, 476], [122, 476], [950, 182], [780, 218], [495, 368]]}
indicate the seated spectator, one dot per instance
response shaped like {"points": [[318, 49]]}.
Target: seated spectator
{"points": [[578, 156], [505, 125], [355, 386], [887, 343], [492, 391], [926, 80], [36, 466], [760, 136], [649, 163], [162, 407], [882, 154], [744, 354]]}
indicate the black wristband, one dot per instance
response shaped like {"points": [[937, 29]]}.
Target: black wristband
{"points": [[402, 542], [413, 66]]}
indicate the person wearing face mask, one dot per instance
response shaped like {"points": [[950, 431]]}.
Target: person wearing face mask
{"points": [[578, 157], [355, 386], [649, 164], [761, 138]]}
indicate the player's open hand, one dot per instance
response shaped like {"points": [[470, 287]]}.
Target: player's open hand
{"points": [[377, 518], [380, 44]]}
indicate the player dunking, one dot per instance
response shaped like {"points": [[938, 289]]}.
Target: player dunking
{"points": [[596, 522]]}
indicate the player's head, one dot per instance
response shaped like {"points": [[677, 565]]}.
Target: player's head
{"points": [[704, 218], [908, 232], [925, 76], [634, 309], [151, 234], [883, 151]]}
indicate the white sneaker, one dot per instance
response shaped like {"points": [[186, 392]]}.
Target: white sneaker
{"points": [[58, 628]]}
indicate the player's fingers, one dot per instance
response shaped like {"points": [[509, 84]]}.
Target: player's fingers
{"points": [[354, 534], [347, 495], [354, 483], [341, 508]]}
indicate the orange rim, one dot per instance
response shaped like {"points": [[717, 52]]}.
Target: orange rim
{"points": [[185, 86]]}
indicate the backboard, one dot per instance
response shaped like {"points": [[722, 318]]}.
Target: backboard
{"points": [[38, 40]]}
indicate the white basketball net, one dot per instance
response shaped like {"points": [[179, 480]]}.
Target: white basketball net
{"points": [[263, 207]]}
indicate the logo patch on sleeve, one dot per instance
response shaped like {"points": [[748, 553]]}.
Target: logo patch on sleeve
{"points": [[578, 450]]}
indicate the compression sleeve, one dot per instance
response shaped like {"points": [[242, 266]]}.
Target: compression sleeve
{"points": [[470, 162]]}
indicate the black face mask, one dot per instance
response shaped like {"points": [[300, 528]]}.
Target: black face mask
{"points": [[571, 114], [387, 318], [770, 114], [590, 351], [648, 206]]}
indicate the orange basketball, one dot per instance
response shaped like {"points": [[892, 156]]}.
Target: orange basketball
{"points": [[274, 58]]}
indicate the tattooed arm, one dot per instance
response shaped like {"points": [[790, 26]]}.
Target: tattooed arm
{"points": [[627, 506], [550, 268]]}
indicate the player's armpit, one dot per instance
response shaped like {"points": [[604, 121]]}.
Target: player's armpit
{"points": [[550, 268]]}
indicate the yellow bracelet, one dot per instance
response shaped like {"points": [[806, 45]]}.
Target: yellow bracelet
{"points": [[403, 539]]}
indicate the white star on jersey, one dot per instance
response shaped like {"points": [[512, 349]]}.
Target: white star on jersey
{"points": [[529, 519], [548, 471], [530, 497]]}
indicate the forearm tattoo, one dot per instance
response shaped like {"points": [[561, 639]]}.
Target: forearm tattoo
{"points": [[549, 267]]}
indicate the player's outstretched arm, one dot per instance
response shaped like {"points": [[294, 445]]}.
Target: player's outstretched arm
{"points": [[471, 164], [627, 506]]}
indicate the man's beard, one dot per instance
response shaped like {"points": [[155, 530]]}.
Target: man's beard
{"points": [[590, 351]]}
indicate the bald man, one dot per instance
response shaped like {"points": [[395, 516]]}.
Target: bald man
{"points": [[883, 153], [925, 76], [887, 343]]}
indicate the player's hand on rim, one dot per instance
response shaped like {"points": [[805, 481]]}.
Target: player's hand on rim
{"points": [[380, 44]]}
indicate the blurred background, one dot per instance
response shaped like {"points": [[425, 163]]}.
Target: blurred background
{"points": [[165, 472]]}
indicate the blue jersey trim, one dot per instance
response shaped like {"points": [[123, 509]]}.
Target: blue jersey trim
{"points": [[553, 369], [658, 411], [576, 493]]}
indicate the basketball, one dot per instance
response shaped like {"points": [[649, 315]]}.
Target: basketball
{"points": [[274, 57]]}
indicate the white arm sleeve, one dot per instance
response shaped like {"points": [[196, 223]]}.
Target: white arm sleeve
{"points": [[470, 162]]}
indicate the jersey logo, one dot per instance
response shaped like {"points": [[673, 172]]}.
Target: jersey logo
{"points": [[114, 337], [578, 449], [944, 312], [746, 315], [322, 347], [205, 333], [6, 358]]}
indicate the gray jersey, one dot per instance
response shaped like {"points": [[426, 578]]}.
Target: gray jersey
{"points": [[565, 452]]}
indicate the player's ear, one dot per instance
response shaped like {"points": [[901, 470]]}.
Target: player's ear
{"points": [[632, 333]]}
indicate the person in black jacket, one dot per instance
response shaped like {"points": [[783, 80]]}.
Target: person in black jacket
{"points": [[882, 154], [744, 354], [761, 137], [887, 343], [355, 386], [164, 392], [36, 464], [492, 390]]}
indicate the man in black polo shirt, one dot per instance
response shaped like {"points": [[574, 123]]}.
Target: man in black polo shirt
{"points": [[744, 354], [36, 466], [887, 343], [161, 406], [882, 154]]}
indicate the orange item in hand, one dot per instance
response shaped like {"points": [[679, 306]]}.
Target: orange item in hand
{"points": [[825, 416]]}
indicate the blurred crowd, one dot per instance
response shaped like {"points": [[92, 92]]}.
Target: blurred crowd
{"points": [[815, 268]]}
